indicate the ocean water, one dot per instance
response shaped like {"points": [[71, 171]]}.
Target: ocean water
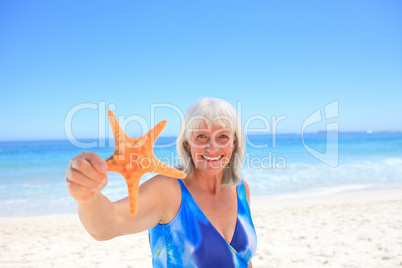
{"points": [[32, 173]]}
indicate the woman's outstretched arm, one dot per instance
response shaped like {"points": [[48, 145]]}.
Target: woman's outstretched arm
{"points": [[103, 219]]}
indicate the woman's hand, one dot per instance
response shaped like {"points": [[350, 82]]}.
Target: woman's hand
{"points": [[86, 176]]}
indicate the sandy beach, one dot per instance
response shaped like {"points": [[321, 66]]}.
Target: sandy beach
{"points": [[357, 229]]}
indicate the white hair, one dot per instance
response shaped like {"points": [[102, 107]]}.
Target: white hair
{"points": [[212, 112]]}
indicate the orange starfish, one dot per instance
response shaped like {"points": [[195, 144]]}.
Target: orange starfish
{"points": [[134, 157]]}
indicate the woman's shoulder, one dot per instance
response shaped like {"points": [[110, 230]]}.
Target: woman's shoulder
{"points": [[163, 184], [247, 190], [165, 189], [245, 184], [168, 191]]}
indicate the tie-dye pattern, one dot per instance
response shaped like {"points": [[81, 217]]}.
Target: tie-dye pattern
{"points": [[190, 240]]}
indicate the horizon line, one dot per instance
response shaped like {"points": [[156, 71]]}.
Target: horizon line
{"points": [[175, 136]]}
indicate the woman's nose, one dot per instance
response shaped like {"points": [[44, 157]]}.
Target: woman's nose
{"points": [[211, 146]]}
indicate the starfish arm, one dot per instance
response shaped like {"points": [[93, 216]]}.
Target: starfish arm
{"points": [[119, 135], [165, 169], [154, 133], [133, 183]]}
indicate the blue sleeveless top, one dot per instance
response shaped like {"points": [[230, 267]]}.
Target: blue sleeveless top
{"points": [[190, 240]]}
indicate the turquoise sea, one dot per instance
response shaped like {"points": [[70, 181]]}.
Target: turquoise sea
{"points": [[32, 173]]}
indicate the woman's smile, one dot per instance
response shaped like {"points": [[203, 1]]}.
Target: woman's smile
{"points": [[212, 158]]}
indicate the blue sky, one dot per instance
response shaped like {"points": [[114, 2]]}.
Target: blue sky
{"points": [[275, 58]]}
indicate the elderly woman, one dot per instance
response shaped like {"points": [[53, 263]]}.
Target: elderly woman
{"points": [[202, 221]]}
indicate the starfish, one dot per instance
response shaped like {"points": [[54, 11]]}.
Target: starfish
{"points": [[134, 157]]}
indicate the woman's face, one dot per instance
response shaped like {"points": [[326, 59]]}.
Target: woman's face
{"points": [[211, 149]]}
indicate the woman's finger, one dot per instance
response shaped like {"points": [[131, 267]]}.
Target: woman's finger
{"points": [[79, 192], [96, 161], [77, 177], [83, 166]]}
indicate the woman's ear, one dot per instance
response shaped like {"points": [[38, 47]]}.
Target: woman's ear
{"points": [[234, 144], [187, 147]]}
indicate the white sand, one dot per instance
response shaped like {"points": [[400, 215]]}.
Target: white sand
{"points": [[361, 229]]}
